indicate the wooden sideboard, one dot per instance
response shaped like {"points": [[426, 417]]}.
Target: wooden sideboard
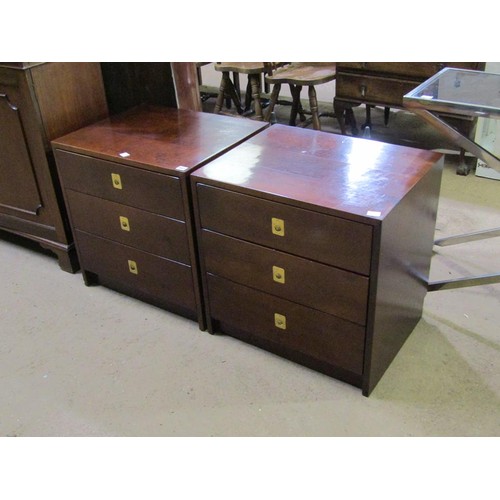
{"points": [[39, 102], [317, 247], [125, 183], [384, 84]]}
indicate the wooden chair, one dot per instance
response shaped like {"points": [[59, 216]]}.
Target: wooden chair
{"points": [[297, 75], [255, 71]]}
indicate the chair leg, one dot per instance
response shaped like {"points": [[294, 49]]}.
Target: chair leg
{"points": [[227, 86], [313, 102], [368, 122], [248, 95], [295, 91], [222, 91], [274, 98], [255, 82], [387, 114]]}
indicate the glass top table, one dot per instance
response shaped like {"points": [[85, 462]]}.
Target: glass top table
{"points": [[458, 92], [465, 93]]}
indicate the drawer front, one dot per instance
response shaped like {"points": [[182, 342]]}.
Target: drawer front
{"points": [[315, 285], [408, 69], [331, 240], [157, 193], [146, 274], [131, 226], [292, 326], [419, 70], [386, 91]]}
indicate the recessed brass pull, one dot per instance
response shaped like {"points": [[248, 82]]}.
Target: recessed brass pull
{"points": [[132, 267], [278, 226], [117, 181], [280, 321], [124, 223], [278, 274]]}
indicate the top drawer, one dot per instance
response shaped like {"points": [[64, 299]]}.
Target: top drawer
{"points": [[324, 238], [157, 193], [417, 70]]}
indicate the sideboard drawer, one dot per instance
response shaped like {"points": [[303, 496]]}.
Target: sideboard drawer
{"points": [[288, 325], [128, 225], [157, 278], [158, 193], [408, 69], [324, 238], [328, 289], [389, 91]]}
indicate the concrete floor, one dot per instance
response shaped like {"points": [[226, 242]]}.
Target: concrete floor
{"points": [[87, 361]]}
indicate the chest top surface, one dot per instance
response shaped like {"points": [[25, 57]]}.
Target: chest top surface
{"points": [[159, 138], [337, 173]]}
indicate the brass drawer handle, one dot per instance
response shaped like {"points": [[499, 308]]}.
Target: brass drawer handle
{"points": [[124, 223], [278, 226], [116, 181], [280, 321], [278, 274], [132, 267]]}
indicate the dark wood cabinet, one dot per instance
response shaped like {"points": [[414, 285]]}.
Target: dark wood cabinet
{"points": [[39, 102], [125, 183], [317, 246], [384, 84]]}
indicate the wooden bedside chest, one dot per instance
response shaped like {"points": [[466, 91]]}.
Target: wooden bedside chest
{"points": [[316, 247], [125, 183]]}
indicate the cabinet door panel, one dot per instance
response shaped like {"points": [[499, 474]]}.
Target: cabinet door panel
{"points": [[18, 185]]}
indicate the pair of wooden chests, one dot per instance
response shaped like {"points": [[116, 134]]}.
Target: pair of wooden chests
{"points": [[311, 245]]}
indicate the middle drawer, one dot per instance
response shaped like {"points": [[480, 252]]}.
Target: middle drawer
{"points": [[322, 287], [131, 226]]}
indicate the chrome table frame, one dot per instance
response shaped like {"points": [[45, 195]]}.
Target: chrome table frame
{"points": [[429, 108]]}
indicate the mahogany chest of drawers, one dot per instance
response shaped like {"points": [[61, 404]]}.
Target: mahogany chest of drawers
{"points": [[317, 247], [125, 184], [384, 83]]}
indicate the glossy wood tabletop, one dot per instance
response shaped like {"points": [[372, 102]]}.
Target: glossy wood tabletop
{"points": [[160, 138], [330, 172]]}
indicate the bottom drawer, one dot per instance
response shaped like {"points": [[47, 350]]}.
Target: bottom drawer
{"points": [[287, 328], [134, 272]]}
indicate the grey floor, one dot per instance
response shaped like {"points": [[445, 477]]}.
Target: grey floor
{"points": [[87, 361]]}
